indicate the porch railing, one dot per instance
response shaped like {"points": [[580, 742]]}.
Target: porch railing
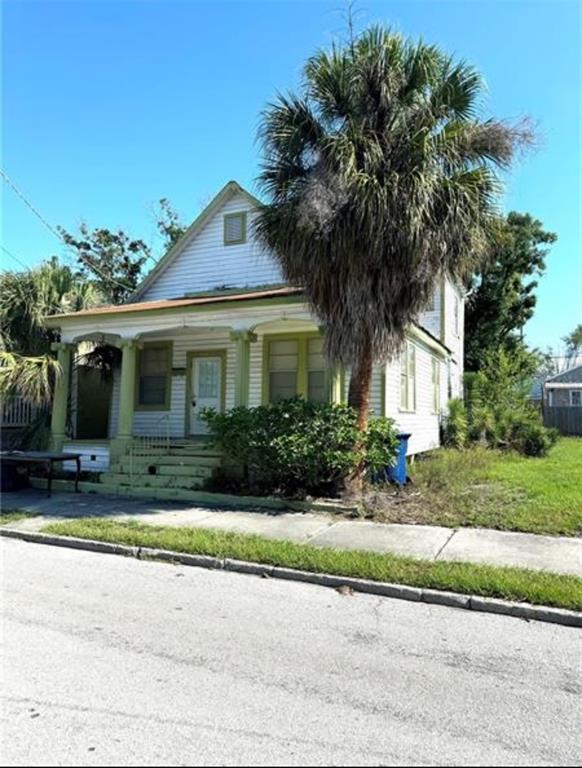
{"points": [[156, 442], [18, 412]]}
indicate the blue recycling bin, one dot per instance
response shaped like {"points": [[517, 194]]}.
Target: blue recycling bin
{"points": [[397, 473]]}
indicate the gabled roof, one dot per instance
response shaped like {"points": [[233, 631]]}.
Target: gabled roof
{"points": [[229, 189], [572, 375]]}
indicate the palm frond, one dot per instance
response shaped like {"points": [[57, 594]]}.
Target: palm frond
{"points": [[32, 378], [380, 177]]}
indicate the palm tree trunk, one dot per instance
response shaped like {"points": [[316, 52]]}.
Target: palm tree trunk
{"points": [[359, 398]]}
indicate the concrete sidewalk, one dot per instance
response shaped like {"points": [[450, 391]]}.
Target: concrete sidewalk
{"points": [[478, 545]]}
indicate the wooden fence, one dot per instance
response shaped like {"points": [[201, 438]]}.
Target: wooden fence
{"points": [[566, 418]]}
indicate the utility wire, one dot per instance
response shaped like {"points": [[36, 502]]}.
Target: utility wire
{"points": [[12, 256], [56, 233]]}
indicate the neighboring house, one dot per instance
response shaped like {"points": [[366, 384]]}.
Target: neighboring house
{"points": [[564, 389], [213, 325], [562, 401]]}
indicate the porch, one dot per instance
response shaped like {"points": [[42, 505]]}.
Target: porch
{"points": [[142, 425]]}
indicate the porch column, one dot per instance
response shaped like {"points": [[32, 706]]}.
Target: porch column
{"points": [[337, 382], [127, 389], [243, 341], [61, 396]]}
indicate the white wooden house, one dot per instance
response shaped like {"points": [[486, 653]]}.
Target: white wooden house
{"points": [[214, 325]]}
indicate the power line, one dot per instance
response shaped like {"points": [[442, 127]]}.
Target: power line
{"points": [[12, 256], [56, 233]]}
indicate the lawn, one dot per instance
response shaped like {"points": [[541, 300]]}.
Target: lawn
{"points": [[491, 489], [13, 515], [508, 583]]}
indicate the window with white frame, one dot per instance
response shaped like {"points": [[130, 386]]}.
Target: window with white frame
{"points": [[235, 228], [457, 312], [436, 385], [576, 397], [408, 377]]}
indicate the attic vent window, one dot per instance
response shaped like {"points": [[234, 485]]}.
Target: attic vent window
{"points": [[235, 228]]}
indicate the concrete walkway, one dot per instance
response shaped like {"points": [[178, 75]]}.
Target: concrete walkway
{"points": [[477, 545]]}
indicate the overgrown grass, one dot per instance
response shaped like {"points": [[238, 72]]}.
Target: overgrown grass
{"points": [[13, 515], [491, 489], [509, 583]]}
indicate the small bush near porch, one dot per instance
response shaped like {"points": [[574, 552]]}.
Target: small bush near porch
{"points": [[297, 447], [488, 488]]}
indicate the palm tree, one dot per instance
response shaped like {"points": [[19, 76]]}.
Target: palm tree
{"points": [[27, 367], [380, 177]]}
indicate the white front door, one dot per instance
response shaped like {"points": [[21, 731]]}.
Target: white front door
{"points": [[206, 390]]}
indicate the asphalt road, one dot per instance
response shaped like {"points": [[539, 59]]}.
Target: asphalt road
{"points": [[111, 661]]}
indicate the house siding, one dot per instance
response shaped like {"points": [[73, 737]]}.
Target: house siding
{"points": [[431, 318], [94, 456], [206, 263], [147, 423], [422, 423]]}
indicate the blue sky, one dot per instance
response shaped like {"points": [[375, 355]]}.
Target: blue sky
{"points": [[108, 106]]}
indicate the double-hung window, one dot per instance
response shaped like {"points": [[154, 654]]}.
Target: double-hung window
{"points": [[436, 385], [408, 377], [295, 366], [576, 397], [153, 380]]}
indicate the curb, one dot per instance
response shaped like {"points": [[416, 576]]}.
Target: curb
{"points": [[399, 591]]}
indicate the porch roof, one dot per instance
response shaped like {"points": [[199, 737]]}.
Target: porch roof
{"points": [[162, 304]]}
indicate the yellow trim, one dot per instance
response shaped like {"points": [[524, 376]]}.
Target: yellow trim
{"points": [[235, 215], [436, 384], [410, 368], [302, 380]]}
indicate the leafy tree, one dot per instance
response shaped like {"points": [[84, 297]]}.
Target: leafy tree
{"points": [[113, 259], [110, 258], [573, 342], [380, 177], [502, 298], [168, 223]]}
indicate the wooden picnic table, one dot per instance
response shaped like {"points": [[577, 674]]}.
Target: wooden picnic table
{"points": [[46, 458]]}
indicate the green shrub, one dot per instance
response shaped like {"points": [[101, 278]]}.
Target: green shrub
{"points": [[527, 435], [297, 447], [454, 428], [498, 405]]}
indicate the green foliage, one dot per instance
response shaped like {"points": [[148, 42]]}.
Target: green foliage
{"points": [[27, 367], [455, 425], [490, 488], [466, 578], [502, 296], [497, 409], [110, 259], [26, 298], [168, 223], [298, 447], [381, 175], [573, 343]]}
